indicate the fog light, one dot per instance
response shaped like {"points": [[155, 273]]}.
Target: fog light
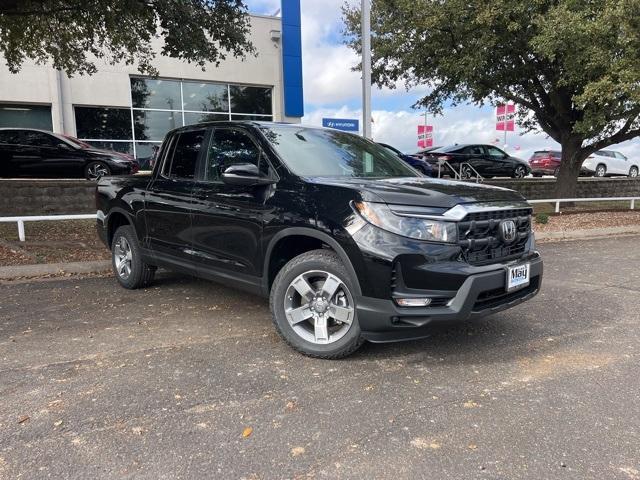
{"points": [[413, 302]]}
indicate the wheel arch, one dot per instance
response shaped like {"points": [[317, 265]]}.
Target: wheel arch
{"points": [[117, 217], [317, 239]]}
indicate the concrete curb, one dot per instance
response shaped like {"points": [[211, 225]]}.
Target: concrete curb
{"points": [[587, 234], [41, 270]]}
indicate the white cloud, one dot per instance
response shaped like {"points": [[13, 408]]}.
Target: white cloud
{"points": [[328, 79], [458, 125]]}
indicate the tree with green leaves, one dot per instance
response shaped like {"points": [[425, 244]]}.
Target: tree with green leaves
{"points": [[71, 35], [571, 66]]}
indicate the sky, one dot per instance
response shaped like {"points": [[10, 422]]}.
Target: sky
{"points": [[332, 89]]}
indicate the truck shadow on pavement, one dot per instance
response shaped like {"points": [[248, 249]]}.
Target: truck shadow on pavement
{"points": [[543, 326]]}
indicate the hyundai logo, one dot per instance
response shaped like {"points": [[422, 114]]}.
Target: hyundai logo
{"points": [[508, 231]]}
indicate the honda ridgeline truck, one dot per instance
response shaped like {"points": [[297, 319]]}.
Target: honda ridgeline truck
{"points": [[348, 242]]}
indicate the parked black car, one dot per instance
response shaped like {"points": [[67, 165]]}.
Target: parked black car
{"points": [[414, 161], [37, 153], [348, 242], [488, 160]]}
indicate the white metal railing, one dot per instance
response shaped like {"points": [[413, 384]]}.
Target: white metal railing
{"points": [[558, 201], [89, 216], [40, 218], [466, 172]]}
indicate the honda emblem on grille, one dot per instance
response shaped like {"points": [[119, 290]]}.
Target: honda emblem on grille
{"points": [[508, 231]]}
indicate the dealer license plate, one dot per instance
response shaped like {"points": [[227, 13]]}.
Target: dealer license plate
{"points": [[518, 276]]}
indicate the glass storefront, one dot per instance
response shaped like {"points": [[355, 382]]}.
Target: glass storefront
{"points": [[26, 116], [160, 105]]}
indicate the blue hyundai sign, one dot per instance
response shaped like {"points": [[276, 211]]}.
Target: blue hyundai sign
{"points": [[346, 124]]}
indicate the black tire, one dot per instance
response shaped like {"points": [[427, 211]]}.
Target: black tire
{"points": [[94, 171], [601, 170], [140, 274], [556, 171], [315, 260], [465, 173], [519, 172], [633, 172]]}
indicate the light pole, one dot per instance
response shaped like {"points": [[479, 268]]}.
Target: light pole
{"points": [[366, 68]]}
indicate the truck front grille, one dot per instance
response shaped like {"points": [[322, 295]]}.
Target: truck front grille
{"points": [[480, 239]]}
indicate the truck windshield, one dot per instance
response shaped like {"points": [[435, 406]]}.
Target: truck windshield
{"points": [[315, 152]]}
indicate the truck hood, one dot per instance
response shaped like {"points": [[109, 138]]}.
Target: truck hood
{"points": [[420, 191]]}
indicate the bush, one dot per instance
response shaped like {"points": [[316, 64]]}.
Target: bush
{"points": [[542, 218]]}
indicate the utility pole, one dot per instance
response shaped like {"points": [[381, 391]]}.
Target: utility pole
{"points": [[366, 68]]}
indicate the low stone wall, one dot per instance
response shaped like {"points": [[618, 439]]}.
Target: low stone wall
{"points": [[46, 197], [50, 197], [543, 188]]}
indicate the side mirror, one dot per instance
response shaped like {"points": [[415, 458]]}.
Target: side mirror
{"points": [[244, 174], [64, 146]]}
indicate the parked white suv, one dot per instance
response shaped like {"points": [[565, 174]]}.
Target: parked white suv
{"points": [[608, 162]]}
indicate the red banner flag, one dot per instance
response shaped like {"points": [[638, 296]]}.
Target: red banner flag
{"points": [[425, 136], [505, 117]]}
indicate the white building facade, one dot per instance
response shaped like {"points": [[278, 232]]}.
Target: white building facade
{"points": [[119, 109]]}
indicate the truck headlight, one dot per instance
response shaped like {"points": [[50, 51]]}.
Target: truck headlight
{"points": [[381, 216]]}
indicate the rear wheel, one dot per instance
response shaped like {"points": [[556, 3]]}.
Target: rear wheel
{"points": [[126, 259], [633, 172], [96, 170], [313, 306], [601, 170], [556, 171]]}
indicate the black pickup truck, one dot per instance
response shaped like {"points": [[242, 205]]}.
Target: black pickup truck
{"points": [[347, 241]]}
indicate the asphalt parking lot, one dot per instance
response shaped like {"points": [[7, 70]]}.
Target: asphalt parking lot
{"points": [[188, 379]]}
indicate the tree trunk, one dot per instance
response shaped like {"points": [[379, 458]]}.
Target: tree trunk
{"points": [[572, 157]]}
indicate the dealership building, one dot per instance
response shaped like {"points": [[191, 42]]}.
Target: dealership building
{"points": [[117, 108]]}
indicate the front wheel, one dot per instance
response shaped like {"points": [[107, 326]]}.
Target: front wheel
{"points": [[313, 307], [129, 268], [633, 172], [519, 172]]}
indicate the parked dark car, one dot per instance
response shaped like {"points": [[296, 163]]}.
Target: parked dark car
{"points": [[545, 162], [37, 153], [347, 242], [489, 161], [417, 163]]}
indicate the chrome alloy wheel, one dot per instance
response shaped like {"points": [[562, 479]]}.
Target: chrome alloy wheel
{"points": [[520, 172], [319, 307], [122, 256], [97, 171]]}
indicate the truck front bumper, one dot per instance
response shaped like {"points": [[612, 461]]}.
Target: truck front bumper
{"points": [[382, 320]]}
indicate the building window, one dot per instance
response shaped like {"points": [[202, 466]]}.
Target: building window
{"points": [[26, 116], [160, 105], [205, 97], [254, 100], [154, 124], [103, 123], [155, 94]]}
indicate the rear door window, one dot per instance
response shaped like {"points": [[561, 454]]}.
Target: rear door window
{"points": [[9, 137], [495, 152], [183, 159], [38, 139]]}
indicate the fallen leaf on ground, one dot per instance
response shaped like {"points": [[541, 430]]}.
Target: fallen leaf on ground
{"points": [[422, 444], [23, 418], [295, 451], [247, 432]]}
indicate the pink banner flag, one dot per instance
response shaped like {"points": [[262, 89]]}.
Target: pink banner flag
{"points": [[425, 136], [505, 117]]}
